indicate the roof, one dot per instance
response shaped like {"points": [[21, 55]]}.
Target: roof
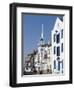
{"points": [[44, 45], [61, 18], [33, 53]]}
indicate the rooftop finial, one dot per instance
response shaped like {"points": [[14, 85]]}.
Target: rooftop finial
{"points": [[42, 32]]}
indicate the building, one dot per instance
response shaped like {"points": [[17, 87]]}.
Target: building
{"points": [[43, 57], [57, 40], [49, 57], [29, 67]]}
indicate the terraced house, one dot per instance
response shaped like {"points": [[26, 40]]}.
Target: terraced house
{"points": [[57, 40]]}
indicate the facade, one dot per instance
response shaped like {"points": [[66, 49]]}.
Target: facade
{"points": [[43, 57], [39, 62], [57, 40]]}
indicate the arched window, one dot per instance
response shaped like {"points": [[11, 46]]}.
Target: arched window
{"points": [[59, 65], [62, 47], [58, 51], [58, 38]]}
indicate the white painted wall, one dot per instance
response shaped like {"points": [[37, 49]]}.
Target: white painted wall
{"points": [[54, 56], [4, 43]]}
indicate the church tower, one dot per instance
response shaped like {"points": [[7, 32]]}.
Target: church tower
{"points": [[41, 46]]}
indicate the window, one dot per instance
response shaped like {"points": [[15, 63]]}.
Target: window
{"points": [[59, 65], [54, 49], [58, 58], [54, 37], [62, 64], [54, 64], [58, 38], [41, 49], [62, 33], [45, 55], [49, 51], [58, 51], [62, 47]]}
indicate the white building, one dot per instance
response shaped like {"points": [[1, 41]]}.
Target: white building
{"points": [[43, 57], [57, 40]]}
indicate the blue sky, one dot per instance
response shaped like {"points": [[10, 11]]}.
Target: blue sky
{"points": [[32, 27]]}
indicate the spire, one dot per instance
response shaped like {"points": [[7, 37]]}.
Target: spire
{"points": [[42, 37], [42, 32]]}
